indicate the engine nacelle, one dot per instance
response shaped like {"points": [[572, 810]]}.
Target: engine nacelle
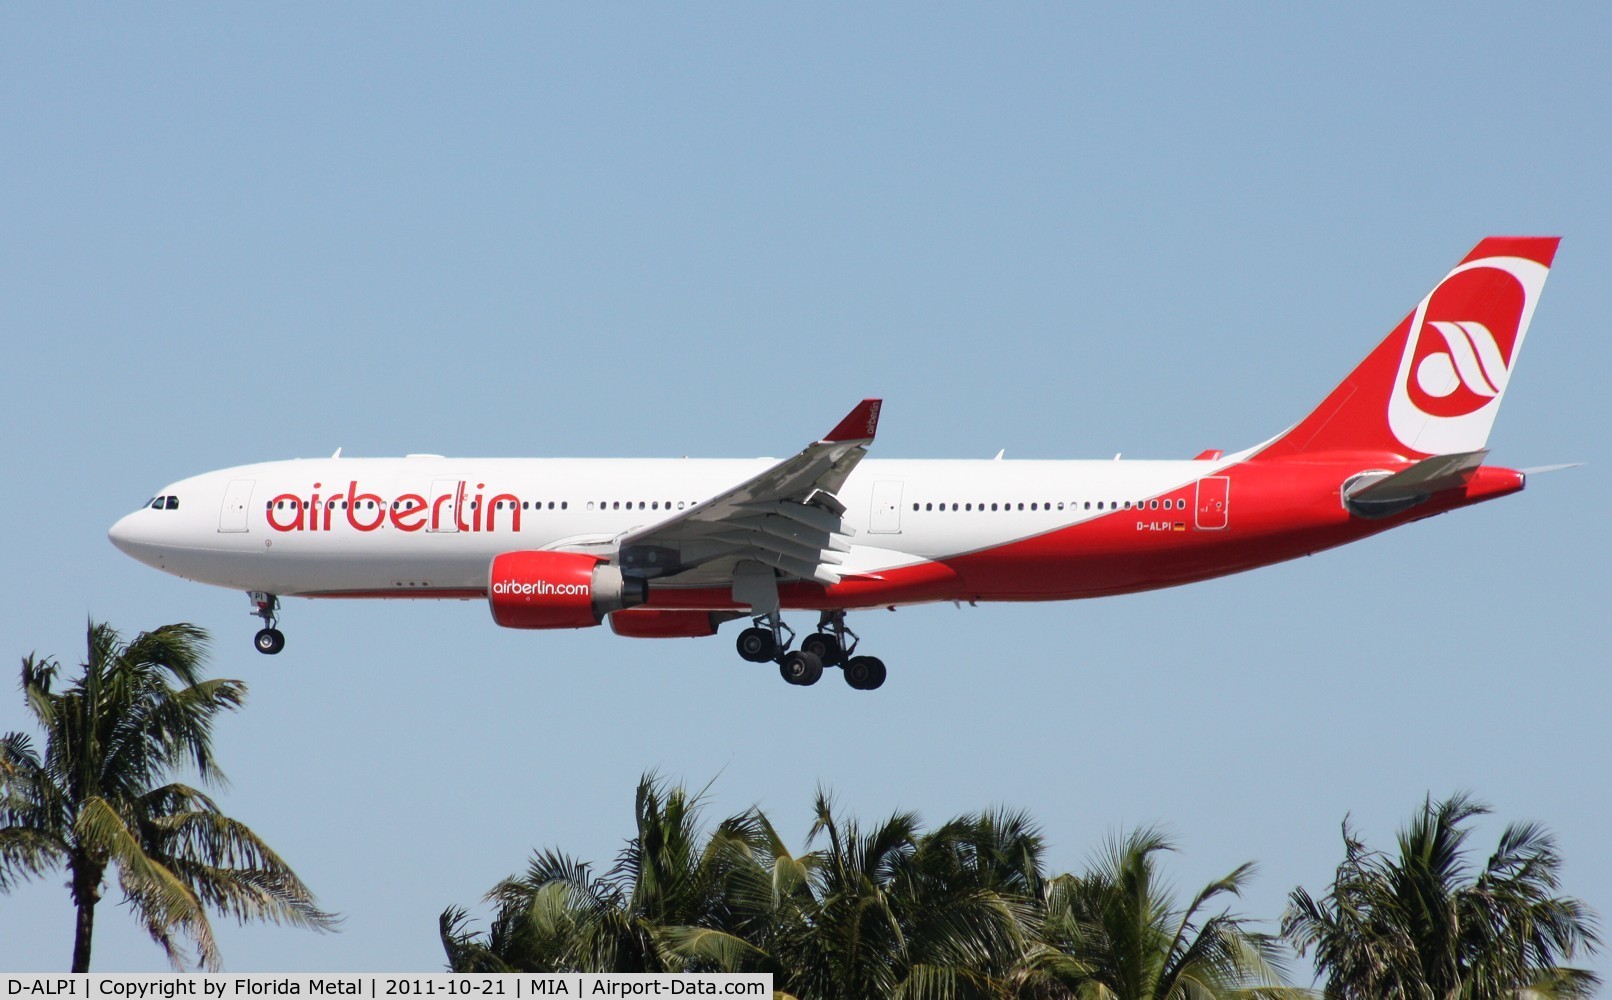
{"points": [[653, 623], [558, 590]]}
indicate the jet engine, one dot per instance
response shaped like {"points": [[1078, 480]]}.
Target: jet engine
{"points": [[558, 590]]}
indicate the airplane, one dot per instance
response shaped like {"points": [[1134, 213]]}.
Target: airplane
{"points": [[665, 548]]}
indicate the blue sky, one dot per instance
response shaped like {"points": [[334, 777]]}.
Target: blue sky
{"points": [[235, 234]]}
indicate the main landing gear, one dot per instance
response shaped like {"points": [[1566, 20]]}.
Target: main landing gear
{"points": [[768, 641], [269, 640]]}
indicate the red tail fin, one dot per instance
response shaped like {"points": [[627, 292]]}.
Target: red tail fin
{"points": [[1434, 386]]}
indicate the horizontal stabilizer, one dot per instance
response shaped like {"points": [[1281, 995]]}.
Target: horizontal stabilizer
{"points": [[1411, 486]]}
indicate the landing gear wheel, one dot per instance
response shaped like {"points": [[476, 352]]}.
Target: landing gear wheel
{"points": [[800, 667], [269, 641], [757, 645], [864, 673], [826, 647]]}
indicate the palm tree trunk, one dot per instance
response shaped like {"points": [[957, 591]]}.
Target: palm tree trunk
{"points": [[81, 941], [86, 893]]}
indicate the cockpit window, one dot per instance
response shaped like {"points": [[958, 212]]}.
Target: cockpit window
{"points": [[173, 503], [158, 502]]}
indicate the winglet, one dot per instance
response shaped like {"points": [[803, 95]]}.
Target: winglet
{"points": [[859, 425]]}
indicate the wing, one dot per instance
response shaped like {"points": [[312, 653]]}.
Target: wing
{"points": [[787, 517]]}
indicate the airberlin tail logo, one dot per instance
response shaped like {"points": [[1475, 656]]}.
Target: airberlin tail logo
{"points": [[1465, 341], [1468, 366], [1459, 350]]}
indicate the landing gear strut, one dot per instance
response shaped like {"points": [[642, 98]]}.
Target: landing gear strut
{"points": [[768, 639], [828, 642], [832, 645], [269, 640]]}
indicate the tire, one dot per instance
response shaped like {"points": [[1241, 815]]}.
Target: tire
{"points": [[800, 668], [269, 641], [757, 645], [865, 673], [825, 647]]}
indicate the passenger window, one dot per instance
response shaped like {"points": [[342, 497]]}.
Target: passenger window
{"points": [[1153, 504]]}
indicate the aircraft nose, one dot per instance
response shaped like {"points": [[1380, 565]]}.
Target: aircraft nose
{"points": [[130, 538]]}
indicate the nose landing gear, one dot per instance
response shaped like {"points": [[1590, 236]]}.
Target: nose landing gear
{"points": [[269, 640]]}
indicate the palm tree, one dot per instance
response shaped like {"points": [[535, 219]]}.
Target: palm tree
{"points": [[1424, 925], [896, 912], [891, 912], [1114, 933], [662, 907], [99, 796]]}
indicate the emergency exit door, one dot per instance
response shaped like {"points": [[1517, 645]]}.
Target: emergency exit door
{"points": [[1214, 503], [886, 514], [237, 496]]}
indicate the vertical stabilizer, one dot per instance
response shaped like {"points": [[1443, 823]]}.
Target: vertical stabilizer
{"points": [[1434, 386]]}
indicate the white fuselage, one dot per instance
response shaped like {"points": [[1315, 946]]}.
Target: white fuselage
{"points": [[431, 525]]}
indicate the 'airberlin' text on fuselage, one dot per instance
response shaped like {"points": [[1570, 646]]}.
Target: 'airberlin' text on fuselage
{"points": [[408, 512]]}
